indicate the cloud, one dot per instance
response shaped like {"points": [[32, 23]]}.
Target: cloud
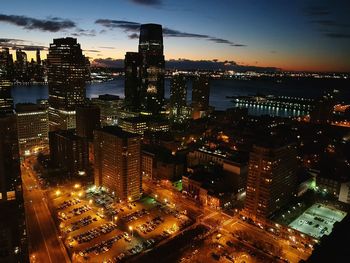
{"points": [[133, 28], [337, 35], [54, 24], [107, 47], [148, 2], [186, 64], [327, 24], [92, 50], [83, 32], [317, 11], [25, 45], [133, 36]]}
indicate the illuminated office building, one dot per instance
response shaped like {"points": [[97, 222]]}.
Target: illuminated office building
{"points": [[178, 98], [67, 72], [132, 80], [118, 162], [271, 178], [33, 128]]}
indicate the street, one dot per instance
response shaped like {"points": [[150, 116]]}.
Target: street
{"points": [[45, 244]]}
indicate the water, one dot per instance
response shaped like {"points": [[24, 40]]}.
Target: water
{"points": [[311, 88]]}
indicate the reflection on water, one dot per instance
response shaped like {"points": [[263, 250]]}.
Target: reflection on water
{"points": [[313, 88]]}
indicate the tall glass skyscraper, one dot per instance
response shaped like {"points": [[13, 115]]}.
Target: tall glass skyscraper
{"points": [[152, 67], [67, 72]]}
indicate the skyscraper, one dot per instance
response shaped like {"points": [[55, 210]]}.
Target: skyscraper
{"points": [[132, 66], [200, 95], [67, 73], [14, 247], [178, 96], [38, 58], [152, 67], [271, 178], [118, 162], [21, 66], [6, 77]]}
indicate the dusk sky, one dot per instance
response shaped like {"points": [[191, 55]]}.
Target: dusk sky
{"points": [[291, 35]]}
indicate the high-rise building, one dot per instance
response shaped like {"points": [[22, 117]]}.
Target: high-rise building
{"points": [[152, 67], [6, 77], [118, 162], [69, 152], [6, 100], [33, 128], [6, 63], [271, 178], [200, 95], [67, 73], [38, 58], [132, 80], [178, 97], [88, 120], [13, 234], [21, 66]]}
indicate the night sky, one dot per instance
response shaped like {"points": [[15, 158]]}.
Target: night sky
{"points": [[291, 35]]}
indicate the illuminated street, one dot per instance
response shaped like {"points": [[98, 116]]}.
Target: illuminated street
{"points": [[44, 238]]}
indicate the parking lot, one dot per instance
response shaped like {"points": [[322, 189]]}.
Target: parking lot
{"points": [[318, 220], [220, 247], [95, 228]]}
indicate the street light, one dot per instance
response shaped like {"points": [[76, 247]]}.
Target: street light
{"points": [[76, 186], [58, 192], [115, 218], [130, 228]]}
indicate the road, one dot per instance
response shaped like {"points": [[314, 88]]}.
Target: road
{"points": [[45, 246]]}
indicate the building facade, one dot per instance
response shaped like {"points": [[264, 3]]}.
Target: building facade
{"points": [[67, 72], [33, 128], [271, 179], [200, 96], [118, 162], [178, 98], [69, 152], [13, 233]]}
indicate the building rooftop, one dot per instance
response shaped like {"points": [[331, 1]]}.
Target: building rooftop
{"points": [[117, 131]]}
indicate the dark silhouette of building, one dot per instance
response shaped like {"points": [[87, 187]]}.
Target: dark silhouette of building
{"points": [[118, 162], [21, 66], [38, 58], [13, 238], [6, 63], [200, 95], [88, 120], [271, 178], [132, 80], [69, 152], [67, 72]]}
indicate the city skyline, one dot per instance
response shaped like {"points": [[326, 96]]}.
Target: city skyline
{"points": [[303, 35]]}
